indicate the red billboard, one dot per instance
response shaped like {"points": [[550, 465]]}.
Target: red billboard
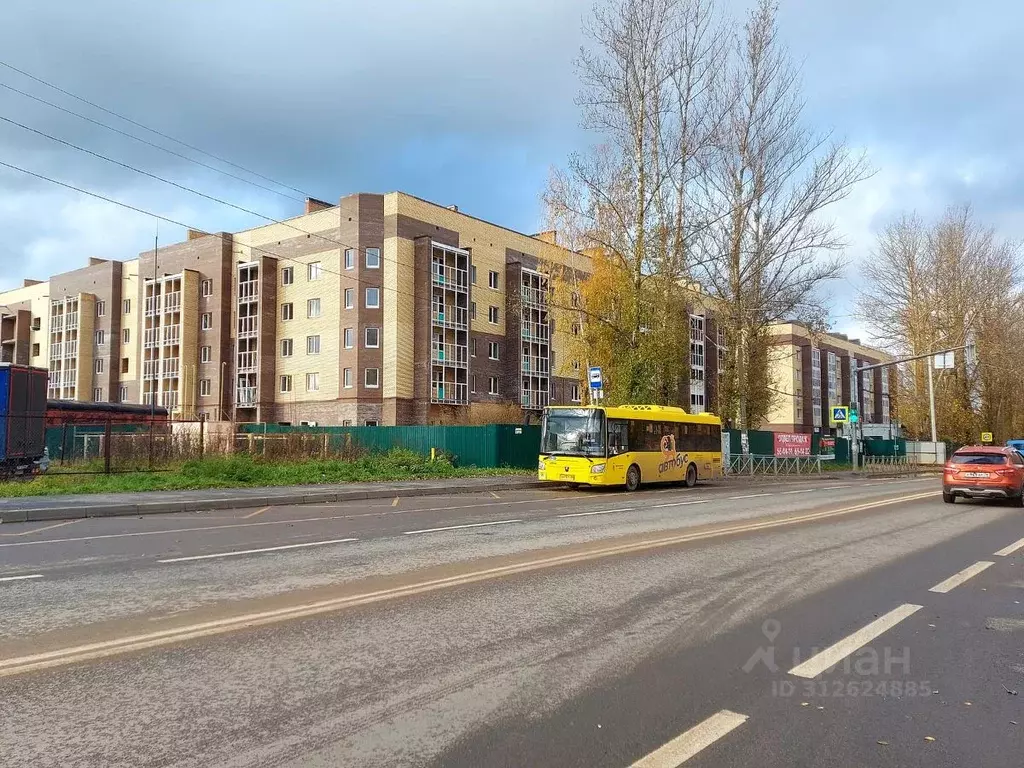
{"points": [[792, 444]]}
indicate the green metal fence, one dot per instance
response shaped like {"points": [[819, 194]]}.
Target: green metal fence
{"points": [[490, 445]]}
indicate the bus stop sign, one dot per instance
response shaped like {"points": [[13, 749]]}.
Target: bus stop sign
{"points": [[596, 379]]}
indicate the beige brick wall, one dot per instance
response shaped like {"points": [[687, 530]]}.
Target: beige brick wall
{"points": [[34, 298], [399, 313], [188, 381], [86, 346], [131, 320]]}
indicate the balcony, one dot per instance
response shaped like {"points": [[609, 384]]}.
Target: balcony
{"points": [[248, 361], [533, 296], [450, 317], [536, 366], [248, 326], [152, 305], [151, 338], [449, 354], [171, 367], [168, 400], [450, 393], [248, 291], [56, 351], [450, 278], [172, 302], [536, 332], [71, 321], [151, 369], [56, 323], [246, 397], [171, 335]]}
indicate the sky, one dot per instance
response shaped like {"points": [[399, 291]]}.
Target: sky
{"points": [[457, 101]]}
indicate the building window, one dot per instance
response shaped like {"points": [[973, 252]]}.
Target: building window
{"points": [[574, 393], [287, 275], [373, 258], [122, 393], [207, 287], [101, 338], [492, 385], [372, 298], [313, 345], [472, 385], [313, 271], [472, 273], [370, 423], [349, 338], [575, 365], [37, 323], [287, 347], [472, 346], [492, 350], [312, 382], [97, 395], [372, 338], [126, 306], [287, 311], [99, 365], [346, 422], [575, 329], [124, 365], [35, 350], [126, 336], [204, 388], [472, 310], [286, 383], [492, 315], [350, 298], [206, 321], [346, 378], [101, 308], [350, 258], [313, 308], [205, 354], [492, 279], [371, 378]]}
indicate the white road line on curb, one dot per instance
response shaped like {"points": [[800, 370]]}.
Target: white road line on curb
{"points": [[458, 527], [686, 745], [1007, 551], [681, 503], [22, 578], [598, 512], [40, 530], [959, 578], [239, 552], [748, 496], [832, 655]]}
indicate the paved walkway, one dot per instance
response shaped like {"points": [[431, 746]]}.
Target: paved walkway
{"points": [[70, 507]]}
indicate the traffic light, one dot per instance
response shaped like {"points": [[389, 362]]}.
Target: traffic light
{"points": [[854, 416]]}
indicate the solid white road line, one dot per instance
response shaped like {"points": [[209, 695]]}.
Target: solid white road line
{"points": [[803, 490], [748, 496], [22, 578], [832, 655], [834, 487], [40, 530], [688, 744], [959, 578], [240, 552], [598, 512], [1007, 551], [458, 527], [681, 503]]}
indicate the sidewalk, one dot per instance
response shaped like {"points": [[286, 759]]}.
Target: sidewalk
{"points": [[71, 507]]}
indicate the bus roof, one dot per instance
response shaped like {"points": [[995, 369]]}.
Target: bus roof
{"points": [[647, 413]]}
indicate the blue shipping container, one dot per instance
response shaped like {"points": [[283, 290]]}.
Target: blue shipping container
{"points": [[22, 413]]}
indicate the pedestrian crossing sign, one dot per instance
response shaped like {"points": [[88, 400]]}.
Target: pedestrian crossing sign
{"points": [[840, 414]]}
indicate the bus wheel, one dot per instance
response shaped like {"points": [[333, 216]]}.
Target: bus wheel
{"points": [[691, 476], [632, 477]]}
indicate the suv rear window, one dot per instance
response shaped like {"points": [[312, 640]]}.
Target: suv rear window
{"points": [[978, 458]]}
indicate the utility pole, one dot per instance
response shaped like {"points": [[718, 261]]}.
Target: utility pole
{"points": [[156, 386], [931, 398]]}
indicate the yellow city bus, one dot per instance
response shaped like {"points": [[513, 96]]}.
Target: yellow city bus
{"points": [[628, 445]]}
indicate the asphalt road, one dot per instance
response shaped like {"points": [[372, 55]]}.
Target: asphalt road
{"points": [[531, 628]]}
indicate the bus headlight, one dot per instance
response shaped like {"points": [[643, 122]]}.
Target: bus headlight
{"points": [[540, 465], [597, 469]]}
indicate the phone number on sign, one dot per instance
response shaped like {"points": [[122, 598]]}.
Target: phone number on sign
{"points": [[838, 688]]}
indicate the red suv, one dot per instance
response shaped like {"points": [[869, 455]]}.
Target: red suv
{"points": [[984, 472]]}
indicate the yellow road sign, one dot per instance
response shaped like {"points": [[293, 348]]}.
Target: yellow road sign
{"points": [[986, 437]]}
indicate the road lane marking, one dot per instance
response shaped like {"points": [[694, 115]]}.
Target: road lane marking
{"points": [[256, 513], [40, 530], [22, 578], [495, 495], [239, 552], [748, 496], [834, 487], [395, 502], [802, 490], [459, 527], [75, 654], [959, 578], [688, 744], [1007, 551], [598, 512], [681, 503], [832, 655]]}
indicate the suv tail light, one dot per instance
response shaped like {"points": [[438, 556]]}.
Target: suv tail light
{"points": [[1006, 472]]}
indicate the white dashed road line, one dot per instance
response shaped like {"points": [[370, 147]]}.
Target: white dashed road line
{"points": [[680, 503], [686, 745], [801, 490], [959, 578], [239, 552], [832, 655], [748, 496], [598, 512], [1007, 551], [459, 527], [22, 578]]}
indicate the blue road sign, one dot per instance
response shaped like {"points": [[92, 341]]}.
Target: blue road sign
{"points": [[596, 380], [840, 414]]}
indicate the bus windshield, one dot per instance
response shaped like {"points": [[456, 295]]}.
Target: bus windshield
{"points": [[572, 432]]}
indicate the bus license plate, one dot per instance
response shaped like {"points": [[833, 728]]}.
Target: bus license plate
{"points": [[565, 477]]}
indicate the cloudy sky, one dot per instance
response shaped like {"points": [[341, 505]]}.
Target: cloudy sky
{"points": [[458, 101]]}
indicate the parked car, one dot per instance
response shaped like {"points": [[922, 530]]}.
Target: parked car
{"points": [[1017, 445], [984, 472]]}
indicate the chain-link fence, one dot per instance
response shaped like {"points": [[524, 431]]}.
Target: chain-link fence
{"points": [[112, 447]]}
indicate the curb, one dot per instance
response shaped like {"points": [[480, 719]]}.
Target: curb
{"points": [[81, 511]]}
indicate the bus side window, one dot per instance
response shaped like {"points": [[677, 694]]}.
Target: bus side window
{"points": [[618, 436]]}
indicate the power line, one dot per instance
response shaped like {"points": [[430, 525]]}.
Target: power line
{"points": [[94, 105], [148, 143]]}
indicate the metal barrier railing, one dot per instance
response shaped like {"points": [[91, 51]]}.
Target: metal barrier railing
{"points": [[774, 465]]}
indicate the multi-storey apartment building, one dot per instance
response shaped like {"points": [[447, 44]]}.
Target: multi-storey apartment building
{"points": [[811, 372], [381, 309]]}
